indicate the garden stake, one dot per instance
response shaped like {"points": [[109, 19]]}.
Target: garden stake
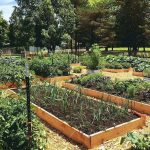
{"points": [[28, 102]]}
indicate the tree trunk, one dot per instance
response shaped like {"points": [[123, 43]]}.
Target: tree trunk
{"points": [[71, 45], [106, 49], [129, 51], [135, 50]]}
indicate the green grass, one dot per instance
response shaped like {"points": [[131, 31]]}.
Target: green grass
{"points": [[125, 49]]}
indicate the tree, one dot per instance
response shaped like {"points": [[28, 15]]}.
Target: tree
{"points": [[132, 24], [96, 24], [78, 4], [22, 23], [48, 27], [3, 31]]}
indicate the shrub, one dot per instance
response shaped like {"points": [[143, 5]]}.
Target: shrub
{"points": [[113, 66], [49, 67], [126, 65], [147, 72], [77, 69], [139, 141], [12, 73], [91, 60], [131, 91], [13, 123]]}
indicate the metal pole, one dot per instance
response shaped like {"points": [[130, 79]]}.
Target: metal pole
{"points": [[28, 100]]}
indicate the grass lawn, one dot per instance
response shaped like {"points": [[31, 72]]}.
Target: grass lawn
{"points": [[125, 49]]}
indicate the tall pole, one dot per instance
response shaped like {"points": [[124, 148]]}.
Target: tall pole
{"points": [[28, 100]]}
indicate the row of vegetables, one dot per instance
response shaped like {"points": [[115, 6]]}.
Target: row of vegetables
{"points": [[116, 62], [83, 113], [12, 70], [136, 89], [72, 107]]}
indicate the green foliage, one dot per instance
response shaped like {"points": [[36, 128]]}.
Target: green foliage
{"points": [[147, 72], [139, 141], [114, 66], [131, 90], [91, 60], [11, 73], [3, 31], [77, 69], [89, 78], [139, 64], [126, 21], [13, 123], [55, 65], [134, 89]]}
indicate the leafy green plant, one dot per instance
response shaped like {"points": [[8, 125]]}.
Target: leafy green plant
{"points": [[131, 91], [134, 89], [13, 123], [49, 67], [12, 73], [126, 65], [139, 141], [91, 60], [114, 66], [147, 72], [139, 64], [77, 69]]}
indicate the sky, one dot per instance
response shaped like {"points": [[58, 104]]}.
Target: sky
{"points": [[7, 8]]}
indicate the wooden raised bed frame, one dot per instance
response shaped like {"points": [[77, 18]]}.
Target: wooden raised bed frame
{"points": [[93, 140], [55, 79], [90, 141], [116, 70], [139, 74], [134, 105], [10, 85], [50, 80]]}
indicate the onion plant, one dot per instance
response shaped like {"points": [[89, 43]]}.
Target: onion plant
{"points": [[84, 113]]}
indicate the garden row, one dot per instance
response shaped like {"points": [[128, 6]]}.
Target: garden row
{"points": [[86, 120], [13, 70], [95, 60]]}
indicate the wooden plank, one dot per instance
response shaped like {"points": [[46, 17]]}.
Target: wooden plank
{"points": [[116, 70], [139, 74], [101, 137], [65, 128], [135, 105]]}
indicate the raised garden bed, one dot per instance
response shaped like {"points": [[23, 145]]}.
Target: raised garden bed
{"points": [[95, 132], [11, 85], [139, 74], [92, 140], [55, 79], [135, 105], [75, 65], [116, 70], [88, 121]]}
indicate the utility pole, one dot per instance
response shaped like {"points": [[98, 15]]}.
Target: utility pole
{"points": [[28, 100]]}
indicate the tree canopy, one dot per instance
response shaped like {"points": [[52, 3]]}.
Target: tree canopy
{"points": [[49, 23]]}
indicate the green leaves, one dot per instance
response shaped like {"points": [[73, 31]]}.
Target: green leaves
{"points": [[139, 141], [13, 123], [11, 73], [55, 65]]}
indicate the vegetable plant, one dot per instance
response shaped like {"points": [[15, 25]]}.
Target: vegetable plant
{"points": [[13, 123]]}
